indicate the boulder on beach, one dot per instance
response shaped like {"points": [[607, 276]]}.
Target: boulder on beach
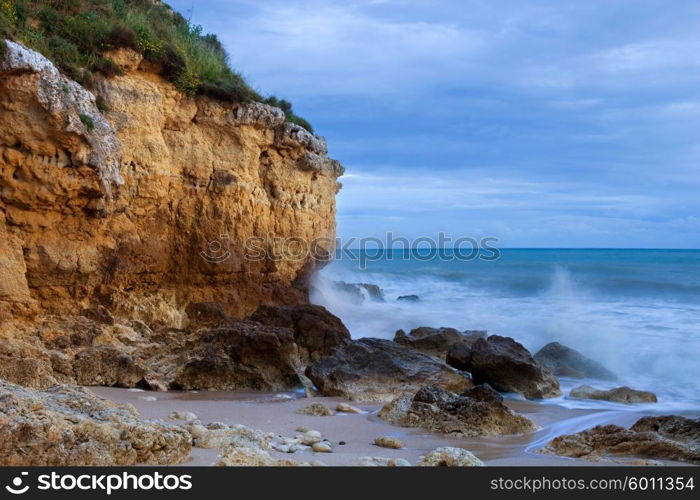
{"points": [[244, 354], [315, 409], [617, 395], [316, 330], [448, 456], [70, 426], [377, 370], [105, 365], [564, 361], [668, 438], [436, 341], [476, 412], [506, 365]]}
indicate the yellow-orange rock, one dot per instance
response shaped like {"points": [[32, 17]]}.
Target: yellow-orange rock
{"points": [[147, 207]]}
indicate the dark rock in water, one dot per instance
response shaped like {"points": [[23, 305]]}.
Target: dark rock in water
{"points": [[242, 355], [566, 362], [355, 290], [436, 341], [206, 314], [377, 370], [617, 395], [70, 426], [507, 366], [316, 330], [375, 293], [477, 412], [459, 355], [668, 437], [104, 365], [409, 298]]}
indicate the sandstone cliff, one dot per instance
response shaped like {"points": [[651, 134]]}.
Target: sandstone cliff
{"points": [[112, 214]]}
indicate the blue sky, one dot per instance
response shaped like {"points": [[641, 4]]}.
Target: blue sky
{"points": [[557, 123]]}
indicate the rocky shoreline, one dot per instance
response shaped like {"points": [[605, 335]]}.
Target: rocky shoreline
{"points": [[123, 264], [439, 380]]}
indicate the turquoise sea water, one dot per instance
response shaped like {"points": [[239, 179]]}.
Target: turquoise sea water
{"points": [[637, 311]]}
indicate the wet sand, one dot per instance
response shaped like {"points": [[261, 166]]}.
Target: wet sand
{"points": [[276, 413]]}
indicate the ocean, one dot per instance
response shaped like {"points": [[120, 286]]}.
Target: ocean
{"points": [[635, 311]]}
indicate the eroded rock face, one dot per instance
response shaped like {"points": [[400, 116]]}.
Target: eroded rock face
{"points": [[377, 370], [669, 437], [147, 207], [69, 426], [567, 362], [507, 366], [125, 233], [437, 341], [477, 412], [242, 355], [237, 354], [316, 331], [618, 395]]}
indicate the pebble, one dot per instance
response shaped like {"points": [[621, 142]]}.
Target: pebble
{"points": [[342, 443], [303, 428], [346, 408], [322, 447], [384, 462], [212, 426], [316, 409], [399, 462], [282, 448], [197, 430], [389, 442], [311, 437], [182, 415]]}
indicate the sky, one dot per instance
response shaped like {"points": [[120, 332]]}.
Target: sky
{"points": [[543, 123]]}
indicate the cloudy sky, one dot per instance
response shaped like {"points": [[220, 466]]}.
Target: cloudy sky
{"points": [[545, 123]]}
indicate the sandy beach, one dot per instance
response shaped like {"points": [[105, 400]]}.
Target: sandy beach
{"points": [[275, 412]]}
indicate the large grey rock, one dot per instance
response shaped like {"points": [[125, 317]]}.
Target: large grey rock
{"points": [[477, 412], [507, 366], [437, 341], [378, 370], [316, 330], [564, 361], [242, 355], [618, 394]]}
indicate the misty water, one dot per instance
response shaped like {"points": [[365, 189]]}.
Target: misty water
{"points": [[635, 311]]}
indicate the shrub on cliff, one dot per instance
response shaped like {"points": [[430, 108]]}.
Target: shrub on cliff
{"points": [[75, 34]]}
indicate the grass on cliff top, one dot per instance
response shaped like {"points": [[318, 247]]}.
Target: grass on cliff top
{"points": [[75, 34]]}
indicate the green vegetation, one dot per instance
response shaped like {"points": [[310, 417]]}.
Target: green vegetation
{"points": [[75, 34], [87, 121], [101, 104]]}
